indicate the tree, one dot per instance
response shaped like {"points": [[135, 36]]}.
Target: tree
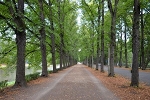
{"points": [[42, 41], [113, 12], [135, 45], [39, 28], [102, 39], [125, 44], [92, 13], [52, 36], [121, 46], [17, 12], [98, 36], [61, 34], [142, 42]]}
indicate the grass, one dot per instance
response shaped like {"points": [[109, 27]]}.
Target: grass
{"points": [[11, 83]]}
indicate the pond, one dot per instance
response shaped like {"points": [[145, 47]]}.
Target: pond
{"points": [[12, 75]]}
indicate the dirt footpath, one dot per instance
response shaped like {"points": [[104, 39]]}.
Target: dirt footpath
{"points": [[74, 83]]}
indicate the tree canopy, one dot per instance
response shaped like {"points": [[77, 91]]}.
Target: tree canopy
{"points": [[89, 31]]}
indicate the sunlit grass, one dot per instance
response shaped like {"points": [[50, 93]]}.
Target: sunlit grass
{"points": [[11, 83]]}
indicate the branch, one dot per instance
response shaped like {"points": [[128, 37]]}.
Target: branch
{"points": [[11, 26], [3, 31], [2, 3], [5, 53], [2, 17], [33, 43], [45, 2], [90, 16], [30, 20], [31, 7], [148, 10], [110, 7], [33, 33], [31, 52], [116, 3], [8, 23], [14, 2], [11, 9]]}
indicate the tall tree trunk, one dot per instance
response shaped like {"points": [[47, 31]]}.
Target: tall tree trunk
{"points": [[135, 45], [67, 60], [120, 59], [98, 38], [126, 56], [18, 15], [112, 35], [98, 53], [61, 57], [92, 46], [53, 52], [87, 62], [102, 39], [61, 34], [20, 70], [142, 42], [52, 38], [42, 41], [60, 51], [64, 60]]}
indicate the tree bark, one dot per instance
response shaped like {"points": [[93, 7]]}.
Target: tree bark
{"points": [[126, 56], [53, 52], [20, 69], [98, 38], [61, 35], [42, 41], [135, 45], [102, 39], [112, 35], [21, 44], [52, 39], [120, 59], [142, 43], [64, 60]]}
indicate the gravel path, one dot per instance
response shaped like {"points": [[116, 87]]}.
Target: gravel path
{"points": [[74, 83]]}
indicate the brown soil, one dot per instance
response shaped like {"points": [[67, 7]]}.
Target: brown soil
{"points": [[121, 86]]}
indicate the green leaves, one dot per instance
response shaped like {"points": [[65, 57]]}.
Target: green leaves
{"points": [[75, 36]]}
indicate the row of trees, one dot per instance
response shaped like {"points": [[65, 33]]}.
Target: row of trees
{"points": [[114, 30], [37, 32], [43, 32]]}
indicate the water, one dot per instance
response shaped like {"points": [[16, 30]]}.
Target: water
{"points": [[12, 75]]}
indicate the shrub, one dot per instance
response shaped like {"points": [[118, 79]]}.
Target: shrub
{"points": [[3, 84], [32, 76], [50, 71]]}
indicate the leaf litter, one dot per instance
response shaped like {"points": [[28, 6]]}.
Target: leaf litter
{"points": [[120, 86]]}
